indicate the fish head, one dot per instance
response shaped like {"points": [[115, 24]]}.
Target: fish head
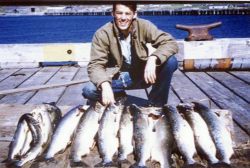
{"points": [[98, 107], [134, 109], [168, 108], [120, 101], [35, 112], [50, 107], [126, 109], [80, 111], [199, 106], [112, 107], [184, 107]]}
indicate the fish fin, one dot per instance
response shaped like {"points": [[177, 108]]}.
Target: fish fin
{"points": [[43, 145], [220, 165], [154, 128], [93, 146], [69, 143], [41, 159], [99, 119], [50, 103], [155, 117], [109, 164], [96, 137], [151, 123], [78, 164], [80, 110], [118, 134], [62, 150]]}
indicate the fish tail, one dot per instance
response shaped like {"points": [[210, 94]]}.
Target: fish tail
{"points": [[195, 165], [53, 160], [124, 161], [8, 161], [109, 164], [14, 165], [5, 161], [220, 165], [78, 164], [137, 166]]}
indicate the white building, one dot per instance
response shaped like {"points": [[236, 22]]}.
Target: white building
{"points": [[219, 7]]}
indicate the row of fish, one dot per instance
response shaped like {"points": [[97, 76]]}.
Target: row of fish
{"points": [[199, 132], [121, 130]]}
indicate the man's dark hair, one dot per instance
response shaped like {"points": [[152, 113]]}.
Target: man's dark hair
{"points": [[131, 5]]}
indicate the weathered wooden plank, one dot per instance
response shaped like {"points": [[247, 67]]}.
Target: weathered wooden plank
{"points": [[4, 73], [9, 116], [223, 98], [186, 90], [16, 79], [73, 94], [239, 87], [39, 78], [172, 98], [138, 97], [52, 95], [3, 152], [243, 75], [41, 87]]}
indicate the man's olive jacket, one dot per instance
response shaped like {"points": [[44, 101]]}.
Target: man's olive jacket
{"points": [[106, 57]]}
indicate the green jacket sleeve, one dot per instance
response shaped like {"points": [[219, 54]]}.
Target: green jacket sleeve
{"points": [[98, 59], [164, 43]]}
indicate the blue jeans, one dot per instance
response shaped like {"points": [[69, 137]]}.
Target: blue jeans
{"points": [[160, 89]]}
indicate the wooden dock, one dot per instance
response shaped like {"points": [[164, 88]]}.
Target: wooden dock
{"points": [[225, 90]]}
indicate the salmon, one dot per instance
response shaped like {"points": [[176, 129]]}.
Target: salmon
{"points": [[221, 136], [64, 132]]}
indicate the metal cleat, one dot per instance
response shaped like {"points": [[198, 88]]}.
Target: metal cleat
{"points": [[198, 32]]}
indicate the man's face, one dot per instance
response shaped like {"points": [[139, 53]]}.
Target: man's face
{"points": [[123, 16]]}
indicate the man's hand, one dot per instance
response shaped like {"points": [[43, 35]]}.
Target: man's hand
{"points": [[107, 94], [150, 68]]}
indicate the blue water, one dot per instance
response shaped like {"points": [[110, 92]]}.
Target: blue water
{"points": [[77, 29]]}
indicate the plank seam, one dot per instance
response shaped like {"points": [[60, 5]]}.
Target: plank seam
{"points": [[35, 92], [171, 87], [28, 77], [10, 75], [239, 78], [228, 88], [66, 87], [199, 87]]}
